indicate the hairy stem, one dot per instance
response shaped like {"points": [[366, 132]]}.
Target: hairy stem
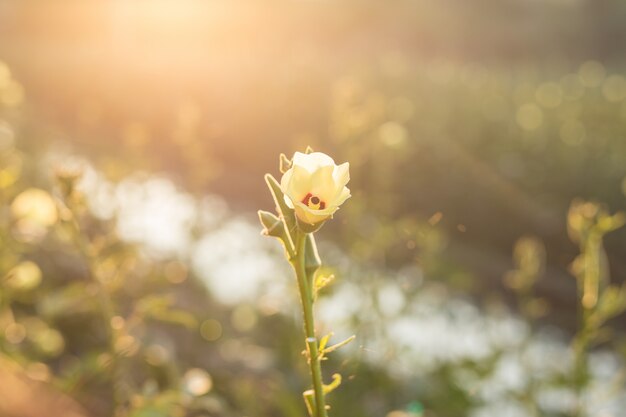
{"points": [[306, 295]]}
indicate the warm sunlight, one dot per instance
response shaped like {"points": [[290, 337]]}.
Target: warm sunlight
{"points": [[296, 208]]}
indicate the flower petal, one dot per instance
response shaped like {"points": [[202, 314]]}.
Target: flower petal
{"points": [[311, 216], [312, 161], [342, 197], [342, 174], [323, 183], [288, 201], [296, 183]]}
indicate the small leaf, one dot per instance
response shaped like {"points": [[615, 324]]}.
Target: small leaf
{"points": [[309, 400], [612, 303], [285, 163], [321, 281], [324, 341], [308, 150], [272, 224], [283, 210], [340, 344], [333, 385], [275, 227]]}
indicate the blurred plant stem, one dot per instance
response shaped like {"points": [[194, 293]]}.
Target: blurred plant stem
{"points": [[305, 284], [73, 203], [589, 287], [529, 257], [599, 301]]}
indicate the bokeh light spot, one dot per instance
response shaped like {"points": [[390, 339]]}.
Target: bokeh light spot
{"points": [[35, 206], [243, 318], [15, 333], [591, 74], [156, 355], [25, 276], [549, 95], [126, 345], [197, 381], [38, 371], [393, 134], [529, 117], [49, 341], [211, 330], [614, 88], [117, 322]]}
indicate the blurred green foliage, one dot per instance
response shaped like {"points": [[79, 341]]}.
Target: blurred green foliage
{"points": [[454, 156]]}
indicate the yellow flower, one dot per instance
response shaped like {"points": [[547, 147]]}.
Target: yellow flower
{"points": [[315, 186]]}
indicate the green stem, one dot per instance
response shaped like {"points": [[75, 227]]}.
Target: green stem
{"points": [[306, 295]]}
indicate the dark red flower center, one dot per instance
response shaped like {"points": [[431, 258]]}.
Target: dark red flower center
{"points": [[314, 202]]}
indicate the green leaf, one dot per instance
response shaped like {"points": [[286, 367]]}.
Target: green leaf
{"points": [[286, 213], [273, 226], [324, 341]]}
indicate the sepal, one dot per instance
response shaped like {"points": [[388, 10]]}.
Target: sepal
{"points": [[286, 213], [285, 163], [279, 199], [309, 228]]}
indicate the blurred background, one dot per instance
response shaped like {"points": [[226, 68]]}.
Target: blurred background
{"points": [[487, 152]]}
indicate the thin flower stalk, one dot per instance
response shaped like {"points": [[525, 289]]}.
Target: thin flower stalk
{"points": [[310, 192]]}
